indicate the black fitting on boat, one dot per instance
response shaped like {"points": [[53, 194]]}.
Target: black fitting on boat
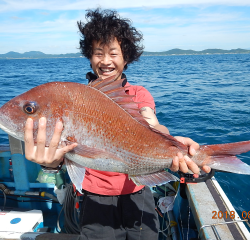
{"points": [[189, 178], [4, 189]]}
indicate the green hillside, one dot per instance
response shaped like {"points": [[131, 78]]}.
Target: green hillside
{"points": [[176, 51]]}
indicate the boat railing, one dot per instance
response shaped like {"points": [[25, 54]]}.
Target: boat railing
{"points": [[213, 226]]}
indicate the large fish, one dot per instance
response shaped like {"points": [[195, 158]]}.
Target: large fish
{"points": [[111, 133]]}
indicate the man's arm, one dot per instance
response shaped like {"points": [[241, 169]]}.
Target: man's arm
{"points": [[151, 118], [180, 162]]}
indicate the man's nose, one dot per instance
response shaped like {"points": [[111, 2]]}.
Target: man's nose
{"points": [[106, 59]]}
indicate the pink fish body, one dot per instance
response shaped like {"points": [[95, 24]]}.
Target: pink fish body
{"points": [[110, 132]]}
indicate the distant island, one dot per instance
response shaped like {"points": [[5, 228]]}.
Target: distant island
{"points": [[176, 51]]}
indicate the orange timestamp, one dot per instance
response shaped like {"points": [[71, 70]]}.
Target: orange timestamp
{"points": [[231, 214]]}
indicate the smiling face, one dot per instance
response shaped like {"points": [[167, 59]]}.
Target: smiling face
{"points": [[107, 60]]}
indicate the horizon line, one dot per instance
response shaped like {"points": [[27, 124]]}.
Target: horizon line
{"points": [[247, 49]]}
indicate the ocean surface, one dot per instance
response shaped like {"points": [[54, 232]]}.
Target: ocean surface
{"points": [[204, 97]]}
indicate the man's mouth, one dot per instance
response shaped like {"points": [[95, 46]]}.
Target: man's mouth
{"points": [[107, 69]]}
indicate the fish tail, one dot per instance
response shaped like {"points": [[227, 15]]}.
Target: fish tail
{"points": [[222, 157]]}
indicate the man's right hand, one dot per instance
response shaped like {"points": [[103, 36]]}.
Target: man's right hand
{"points": [[47, 156]]}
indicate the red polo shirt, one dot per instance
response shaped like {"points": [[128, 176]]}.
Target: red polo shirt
{"points": [[113, 183]]}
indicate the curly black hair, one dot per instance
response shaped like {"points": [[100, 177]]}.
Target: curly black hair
{"points": [[105, 25]]}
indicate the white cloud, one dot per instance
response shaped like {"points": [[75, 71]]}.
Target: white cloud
{"points": [[19, 5], [196, 37], [62, 24], [184, 27], [178, 20]]}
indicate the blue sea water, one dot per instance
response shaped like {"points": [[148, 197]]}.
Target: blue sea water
{"points": [[204, 97]]}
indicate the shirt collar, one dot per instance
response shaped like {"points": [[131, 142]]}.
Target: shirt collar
{"points": [[92, 77]]}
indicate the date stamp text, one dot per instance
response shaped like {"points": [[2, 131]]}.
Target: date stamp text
{"points": [[231, 215]]}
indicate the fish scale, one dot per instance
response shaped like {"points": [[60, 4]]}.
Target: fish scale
{"points": [[114, 133]]}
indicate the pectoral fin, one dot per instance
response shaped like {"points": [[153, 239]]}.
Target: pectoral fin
{"points": [[76, 173]]}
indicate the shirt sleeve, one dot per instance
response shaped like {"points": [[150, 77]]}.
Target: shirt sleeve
{"points": [[144, 98]]}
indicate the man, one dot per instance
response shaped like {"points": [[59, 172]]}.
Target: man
{"points": [[113, 206]]}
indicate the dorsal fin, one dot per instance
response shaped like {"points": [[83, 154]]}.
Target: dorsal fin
{"points": [[112, 87]]}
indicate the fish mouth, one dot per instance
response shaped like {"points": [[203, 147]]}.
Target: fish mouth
{"points": [[11, 132]]}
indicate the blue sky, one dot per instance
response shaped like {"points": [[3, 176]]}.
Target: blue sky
{"points": [[50, 25]]}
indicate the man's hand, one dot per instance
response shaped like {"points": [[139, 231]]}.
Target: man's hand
{"points": [[47, 156], [184, 163]]}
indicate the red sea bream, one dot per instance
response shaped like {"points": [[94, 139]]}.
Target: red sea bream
{"points": [[110, 132]]}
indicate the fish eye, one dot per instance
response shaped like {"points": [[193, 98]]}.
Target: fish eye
{"points": [[30, 107]]}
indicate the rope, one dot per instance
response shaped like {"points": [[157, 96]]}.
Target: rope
{"points": [[71, 217], [4, 194]]}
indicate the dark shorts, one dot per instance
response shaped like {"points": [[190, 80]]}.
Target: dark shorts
{"points": [[130, 217]]}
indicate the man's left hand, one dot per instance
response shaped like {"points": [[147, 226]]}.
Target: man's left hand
{"points": [[184, 163]]}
